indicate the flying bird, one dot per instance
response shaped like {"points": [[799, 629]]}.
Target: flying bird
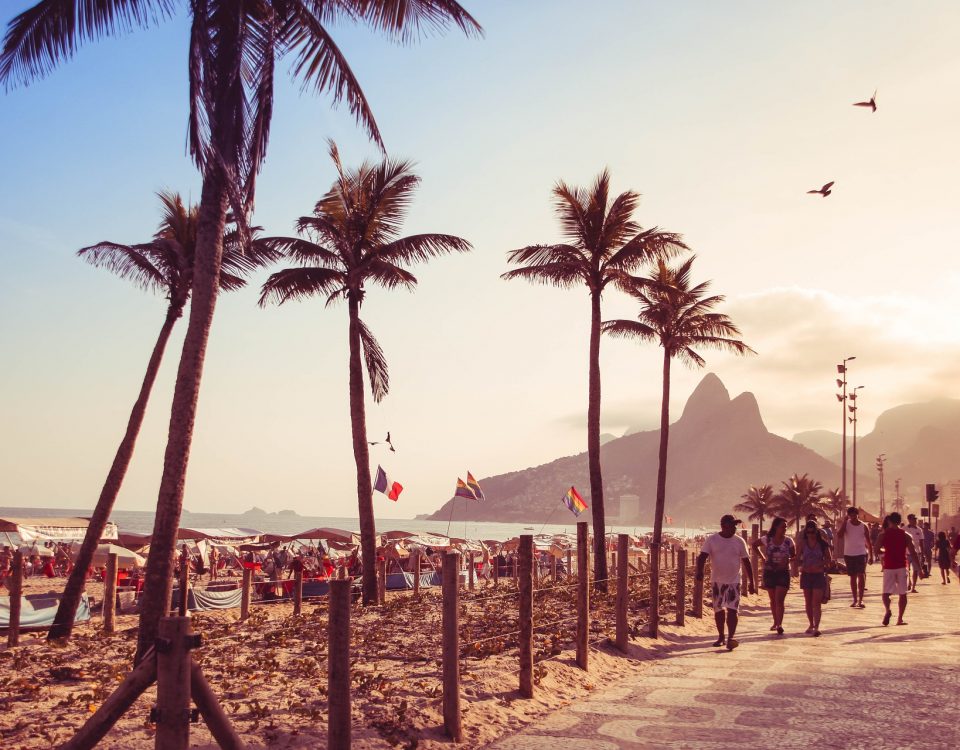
{"points": [[824, 191], [387, 441], [872, 103]]}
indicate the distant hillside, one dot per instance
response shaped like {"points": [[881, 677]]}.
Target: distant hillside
{"points": [[824, 442], [718, 448]]}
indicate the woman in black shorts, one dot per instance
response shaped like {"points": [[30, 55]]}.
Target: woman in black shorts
{"points": [[776, 550], [814, 556], [943, 557]]}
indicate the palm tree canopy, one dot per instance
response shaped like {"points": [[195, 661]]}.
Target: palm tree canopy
{"points": [[601, 240], [677, 314], [165, 264], [352, 239], [799, 497], [262, 31], [757, 503]]}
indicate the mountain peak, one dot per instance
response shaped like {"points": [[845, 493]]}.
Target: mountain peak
{"points": [[711, 394]]}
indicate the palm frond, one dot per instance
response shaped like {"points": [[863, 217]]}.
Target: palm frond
{"points": [[534, 255], [388, 275], [130, 262], [320, 63], [421, 247], [300, 250], [405, 20], [561, 274], [49, 32], [648, 246], [299, 283], [376, 363], [617, 225], [628, 329]]}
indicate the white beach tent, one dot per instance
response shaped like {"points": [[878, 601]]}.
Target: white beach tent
{"points": [[125, 558]]}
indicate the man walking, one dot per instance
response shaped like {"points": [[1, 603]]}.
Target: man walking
{"points": [[916, 535], [728, 555], [896, 543], [929, 538], [856, 540]]}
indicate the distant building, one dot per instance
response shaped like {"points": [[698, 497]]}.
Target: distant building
{"points": [[950, 497], [611, 508]]}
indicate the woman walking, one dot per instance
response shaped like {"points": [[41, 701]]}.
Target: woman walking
{"points": [[777, 550], [814, 556], [943, 557]]}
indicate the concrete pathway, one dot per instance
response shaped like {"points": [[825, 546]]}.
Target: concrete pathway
{"points": [[859, 685]]}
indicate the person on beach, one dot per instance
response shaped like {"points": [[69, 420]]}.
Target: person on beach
{"points": [[943, 557], [856, 542], [728, 555], [916, 565], [896, 544], [814, 555], [777, 550]]}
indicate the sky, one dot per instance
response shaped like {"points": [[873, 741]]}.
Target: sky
{"points": [[721, 115]]}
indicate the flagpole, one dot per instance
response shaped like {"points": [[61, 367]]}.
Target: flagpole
{"points": [[453, 503], [549, 516]]}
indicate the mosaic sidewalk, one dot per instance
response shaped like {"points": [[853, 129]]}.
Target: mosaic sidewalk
{"points": [[859, 685]]}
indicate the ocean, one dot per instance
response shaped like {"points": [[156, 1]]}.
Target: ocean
{"points": [[289, 523]]}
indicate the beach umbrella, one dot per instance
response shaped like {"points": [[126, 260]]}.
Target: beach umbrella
{"points": [[125, 557]]}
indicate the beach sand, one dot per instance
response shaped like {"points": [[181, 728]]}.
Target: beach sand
{"points": [[270, 672]]}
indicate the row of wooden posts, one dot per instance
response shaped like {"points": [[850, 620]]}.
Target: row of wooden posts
{"points": [[180, 680]]}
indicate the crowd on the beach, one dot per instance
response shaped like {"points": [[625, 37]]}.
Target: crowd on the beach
{"points": [[906, 553], [51, 560]]}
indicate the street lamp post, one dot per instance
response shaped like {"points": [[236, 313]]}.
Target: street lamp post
{"points": [[842, 398], [853, 419], [880, 461]]}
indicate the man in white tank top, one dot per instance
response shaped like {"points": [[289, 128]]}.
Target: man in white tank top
{"points": [[856, 540]]}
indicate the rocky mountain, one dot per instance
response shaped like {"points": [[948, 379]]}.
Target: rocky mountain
{"points": [[718, 447], [824, 442]]}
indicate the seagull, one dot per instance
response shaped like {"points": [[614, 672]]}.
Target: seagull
{"points": [[387, 441], [824, 191], [872, 103]]}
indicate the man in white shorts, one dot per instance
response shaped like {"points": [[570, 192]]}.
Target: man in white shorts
{"points": [[896, 543], [728, 555]]}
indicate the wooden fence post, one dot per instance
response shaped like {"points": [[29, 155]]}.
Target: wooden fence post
{"points": [[673, 556], [754, 555], [623, 590], [495, 561], [698, 596], [245, 593], [110, 594], [526, 615], [681, 585], [553, 567], [451, 646], [338, 667], [657, 558], [211, 710], [416, 575], [569, 563], [583, 594], [184, 583], [382, 582], [297, 591], [173, 684], [16, 598], [471, 570]]}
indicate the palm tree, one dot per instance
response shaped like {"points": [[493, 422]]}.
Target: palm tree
{"points": [[757, 503], [601, 242], [165, 264], [677, 315], [799, 498], [232, 55], [352, 240], [833, 503]]}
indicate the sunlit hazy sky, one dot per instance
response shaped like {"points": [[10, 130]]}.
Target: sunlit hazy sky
{"points": [[721, 114]]}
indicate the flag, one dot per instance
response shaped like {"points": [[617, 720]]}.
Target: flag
{"points": [[474, 485], [669, 520], [384, 485], [464, 491], [574, 502]]}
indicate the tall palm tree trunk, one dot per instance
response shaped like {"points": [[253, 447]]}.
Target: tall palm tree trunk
{"points": [[158, 582], [593, 448], [361, 455], [661, 500], [63, 622]]}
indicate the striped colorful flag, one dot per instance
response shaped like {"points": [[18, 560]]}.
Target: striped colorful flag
{"points": [[384, 485], [474, 485], [464, 491], [574, 502]]}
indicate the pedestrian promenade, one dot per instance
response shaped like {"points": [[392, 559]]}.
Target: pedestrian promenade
{"points": [[859, 685]]}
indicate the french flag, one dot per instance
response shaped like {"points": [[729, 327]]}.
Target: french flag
{"points": [[384, 485]]}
